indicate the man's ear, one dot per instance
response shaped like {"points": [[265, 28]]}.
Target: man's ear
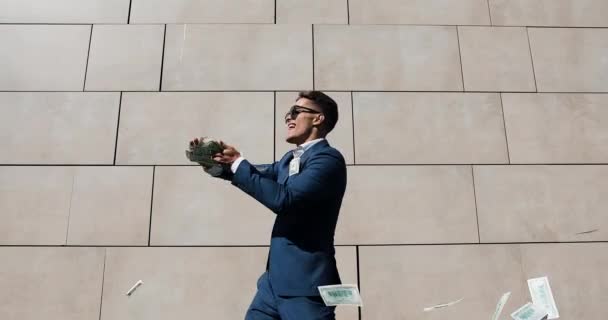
{"points": [[319, 120]]}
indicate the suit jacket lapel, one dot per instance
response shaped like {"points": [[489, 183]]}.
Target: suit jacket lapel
{"points": [[314, 149]]}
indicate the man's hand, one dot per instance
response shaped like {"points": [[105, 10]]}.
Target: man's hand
{"points": [[229, 155]]}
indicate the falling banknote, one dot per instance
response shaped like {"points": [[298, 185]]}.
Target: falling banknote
{"points": [[541, 294], [344, 294], [529, 312], [500, 305]]}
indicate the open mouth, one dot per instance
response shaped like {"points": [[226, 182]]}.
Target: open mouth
{"points": [[291, 126]]}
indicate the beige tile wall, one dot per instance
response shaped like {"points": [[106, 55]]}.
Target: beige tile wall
{"points": [[475, 131]]}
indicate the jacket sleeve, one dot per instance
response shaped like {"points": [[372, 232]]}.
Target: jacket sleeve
{"points": [[315, 182], [267, 170]]}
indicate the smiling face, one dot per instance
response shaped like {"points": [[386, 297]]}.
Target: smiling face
{"points": [[302, 122]]}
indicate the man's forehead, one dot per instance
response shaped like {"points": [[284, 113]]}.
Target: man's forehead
{"points": [[305, 102]]}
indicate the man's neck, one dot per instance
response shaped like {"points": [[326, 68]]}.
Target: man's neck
{"points": [[309, 139]]}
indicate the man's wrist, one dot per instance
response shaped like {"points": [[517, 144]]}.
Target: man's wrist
{"points": [[235, 165]]}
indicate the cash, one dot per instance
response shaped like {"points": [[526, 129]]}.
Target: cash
{"points": [[500, 305], [203, 155], [204, 151], [541, 294], [529, 311], [343, 294], [443, 305]]}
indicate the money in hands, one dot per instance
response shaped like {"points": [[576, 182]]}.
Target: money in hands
{"points": [[343, 294], [203, 152]]}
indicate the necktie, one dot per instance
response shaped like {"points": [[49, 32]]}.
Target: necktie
{"points": [[297, 152], [294, 164]]}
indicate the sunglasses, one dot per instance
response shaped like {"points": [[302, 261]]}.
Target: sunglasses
{"points": [[294, 111]]}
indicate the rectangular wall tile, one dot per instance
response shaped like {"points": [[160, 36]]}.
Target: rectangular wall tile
{"points": [[58, 127], [398, 282], [541, 203], [192, 208], [428, 128], [181, 283], [110, 206], [50, 283], [312, 11], [384, 57], [570, 60], [577, 275], [443, 12], [558, 13], [155, 128], [125, 57], [64, 11], [408, 204], [496, 59], [202, 11], [43, 57], [557, 128], [340, 138], [238, 57], [34, 205]]}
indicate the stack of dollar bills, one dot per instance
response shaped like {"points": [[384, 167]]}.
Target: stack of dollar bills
{"points": [[203, 155]]}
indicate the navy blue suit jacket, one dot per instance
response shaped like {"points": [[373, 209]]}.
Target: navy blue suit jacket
{"points": [[306, 205]]}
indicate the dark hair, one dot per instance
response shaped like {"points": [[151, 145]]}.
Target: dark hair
{"points": [[328, 106]]}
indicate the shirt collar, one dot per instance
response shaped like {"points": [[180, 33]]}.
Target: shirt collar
{"points": [[307, 145]]}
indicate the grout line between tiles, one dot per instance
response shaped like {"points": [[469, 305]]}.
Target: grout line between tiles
{"points": [[358, 279], [313, 56], [338, 245], [323, 89], [460, 58], [274, 126], [162, 60], [490, 13], [67, 231], [504, 124], [352, 106], [117, 127], [151, 205], [269, 23], [475, 201], [531, 60], [348, 22], [86, 68], [103, 277], [348, 165], [129, 15]]}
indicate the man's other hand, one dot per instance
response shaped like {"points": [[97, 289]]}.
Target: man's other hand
{"points": [[228, 156]]}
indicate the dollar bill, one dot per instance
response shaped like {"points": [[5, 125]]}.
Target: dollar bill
{"points": [[500, 305], [443, 305], [541, 294], [343, 294], [529, 312]]}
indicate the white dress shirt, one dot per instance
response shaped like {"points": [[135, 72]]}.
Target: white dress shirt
{"points": [[305, 146]]}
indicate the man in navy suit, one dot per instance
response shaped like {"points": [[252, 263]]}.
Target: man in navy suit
{"points": [[305, 190]]}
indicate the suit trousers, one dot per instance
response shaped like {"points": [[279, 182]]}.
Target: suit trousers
{"points": [[266, 305]]}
